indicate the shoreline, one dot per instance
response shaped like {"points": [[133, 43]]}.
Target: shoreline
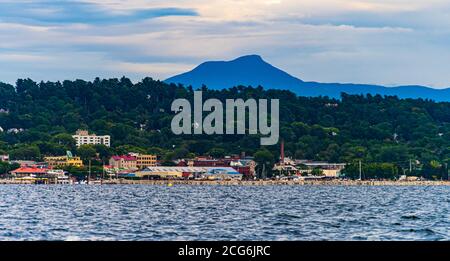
{"points": [[251, 183], [278, 183]]}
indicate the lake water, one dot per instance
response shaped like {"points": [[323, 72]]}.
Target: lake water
{"points": [[182, 212]]}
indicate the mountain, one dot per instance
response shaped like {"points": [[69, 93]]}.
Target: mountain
{"points": [[249, 70], [252, 70]]}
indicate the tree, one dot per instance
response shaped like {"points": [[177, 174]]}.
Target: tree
{"points": [[65, 140], [124, 149], [86, 152], [372, 171], [6, 167], [217, 153], [25, 152], [265, 161], [103, 152], [317, 172]]}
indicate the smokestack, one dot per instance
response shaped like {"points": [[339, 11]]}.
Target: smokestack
{"points": [[282, 151]]}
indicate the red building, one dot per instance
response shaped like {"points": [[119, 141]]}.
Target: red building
{"points": [[29, 171], [244, 166]]}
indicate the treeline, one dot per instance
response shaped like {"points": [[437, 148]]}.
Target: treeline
{"points": [[38, 119], [429, 170]]}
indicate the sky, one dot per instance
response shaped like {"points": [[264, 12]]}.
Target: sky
{"points": [[389, 42]]}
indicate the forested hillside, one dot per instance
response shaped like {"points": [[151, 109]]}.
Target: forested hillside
{"points": [[38, 119]]}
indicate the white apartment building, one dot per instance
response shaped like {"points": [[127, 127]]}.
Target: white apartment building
{"points": [[82, 137]]}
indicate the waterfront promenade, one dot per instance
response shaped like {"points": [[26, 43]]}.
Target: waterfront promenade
{"points": [[256, 182], [279, 182]]}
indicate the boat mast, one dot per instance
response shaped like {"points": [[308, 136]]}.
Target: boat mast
{"points": [[89, 174], [360, 170]]}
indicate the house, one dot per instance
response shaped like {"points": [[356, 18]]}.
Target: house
{"points": [[29, 172], [82, 137], [245, 166], [123, 162], [4, 158], [285, 169], [327, 169]]}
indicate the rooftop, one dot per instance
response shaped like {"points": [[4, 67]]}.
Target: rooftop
{"points": [[30, 170], [209, 170], [124, 157]]}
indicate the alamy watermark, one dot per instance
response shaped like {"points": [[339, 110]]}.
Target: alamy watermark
{"points": [[213, 123]]}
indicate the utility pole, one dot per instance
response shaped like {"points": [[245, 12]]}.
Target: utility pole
{"points": [[89, 174], [103, 171], [263, 171], [446, 171], [360, 170], [410, 167]]}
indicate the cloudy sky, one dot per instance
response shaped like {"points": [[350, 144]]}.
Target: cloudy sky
{"points": [[390, 42]]}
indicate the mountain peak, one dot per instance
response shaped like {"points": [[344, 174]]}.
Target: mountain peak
{"points": [[251, 57], [248, 70]]}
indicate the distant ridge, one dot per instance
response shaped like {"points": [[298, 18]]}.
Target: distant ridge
{"points": [[252, 70]]}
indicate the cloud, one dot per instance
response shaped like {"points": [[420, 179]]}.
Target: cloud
{"points": [[65, 12], [366, 41]]}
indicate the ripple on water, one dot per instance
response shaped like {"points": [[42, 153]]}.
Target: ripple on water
{"points": [[223, 213]]}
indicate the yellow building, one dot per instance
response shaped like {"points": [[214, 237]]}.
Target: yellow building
{"points": [[144, 161], [162, 172], [64, 161]]}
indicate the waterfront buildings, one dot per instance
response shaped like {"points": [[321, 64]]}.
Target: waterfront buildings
{"points": [[290, 167], [145, 161], [133, 161], [221, 174], [62, 161], [32, 171], [82, 137], [327, 169], [161, 172], [40, 175], [244, 165], [211, 173], [123, 162], [285, 169]]}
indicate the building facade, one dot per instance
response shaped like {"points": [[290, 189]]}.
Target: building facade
{"points": [[145, 161], [205, 173], [63, 161], [123, 162], [29, 171], [82, 137], [246, 166]]}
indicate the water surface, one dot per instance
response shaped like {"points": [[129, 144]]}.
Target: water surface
{"points": [[183, 212]]}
